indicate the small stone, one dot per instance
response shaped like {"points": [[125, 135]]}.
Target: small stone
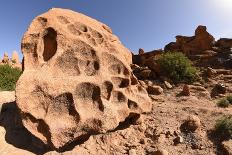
{"points": [[160, 152], [155, 90], [132, 152], [218, 89], [178, 140], [141, 51], [186, 90], [211, 72], [145, 74], [167, 85], [134, 66]]}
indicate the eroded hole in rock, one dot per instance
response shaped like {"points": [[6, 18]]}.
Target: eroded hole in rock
{"points": [[118, 96], [115, 69], [141, 90], [134, 81], [96, 34], [66, 99], [116, 66], [132, 105], [81, 27], [121, 82], [90, 67], [43, 21], [88, 54], [50, 44], [107, 88], [68, 63], [62, 20], [90, 93], [72, 29]]}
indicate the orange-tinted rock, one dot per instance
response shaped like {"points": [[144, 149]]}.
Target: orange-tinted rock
{"points": [[141, 51], [196, 44], [77, 79], [5, 58], [186, 90], [224, 43], [15, 57]]}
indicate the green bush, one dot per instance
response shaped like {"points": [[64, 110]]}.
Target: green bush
{"points": [[229, 98], [223, 127], [8, 77], [177, 67], [223, 103]]}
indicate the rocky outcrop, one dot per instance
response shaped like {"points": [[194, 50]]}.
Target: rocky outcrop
{"points": [[13, 61], [224, 43], [196, 44], [5, 58], [77, 79], [15, 57]]}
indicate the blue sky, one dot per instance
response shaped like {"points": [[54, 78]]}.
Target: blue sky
{"points": [[148, 24]]}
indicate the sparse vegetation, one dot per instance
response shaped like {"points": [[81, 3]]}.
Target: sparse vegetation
{"points": [[225, 102], [8, 77], [177, 67], [229, 98], [223, 127]]}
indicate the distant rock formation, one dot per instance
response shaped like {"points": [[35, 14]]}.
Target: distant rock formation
{"points": [[200, 48], [201, 41], [224, 43], [5, 58], [15, 57], [14, 61], [77, 79]]}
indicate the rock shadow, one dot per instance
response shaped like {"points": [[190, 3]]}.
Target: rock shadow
{"points": [[16, 134], [217, 142]]}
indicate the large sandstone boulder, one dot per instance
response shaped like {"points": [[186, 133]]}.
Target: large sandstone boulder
{"points": [[77, 79]]}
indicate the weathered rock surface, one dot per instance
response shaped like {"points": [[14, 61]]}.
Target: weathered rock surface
{"points": [[77, 79]]}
